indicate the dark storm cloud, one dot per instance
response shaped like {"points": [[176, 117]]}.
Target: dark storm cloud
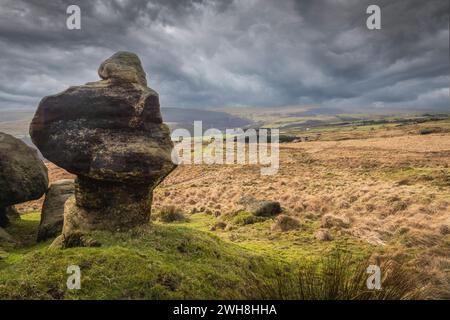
{"points": [[225, 53]]}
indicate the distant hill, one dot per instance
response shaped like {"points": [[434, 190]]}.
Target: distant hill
{"points": [[184, 118], [11, 115], [16, 122], [270, 114], [316, 112]]}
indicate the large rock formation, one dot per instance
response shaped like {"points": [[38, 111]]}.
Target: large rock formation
{"points": [[110, 134], [52, 214], [23, 176]]}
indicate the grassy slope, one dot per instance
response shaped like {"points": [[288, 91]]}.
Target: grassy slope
{"points": [[360, 130], [291, 247], [160, 261], [155, 262]]}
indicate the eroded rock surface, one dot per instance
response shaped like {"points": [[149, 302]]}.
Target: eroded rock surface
{"points": [[52, 214], [111, 135], [23, 176]]}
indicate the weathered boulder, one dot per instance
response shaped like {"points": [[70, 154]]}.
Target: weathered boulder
{"points": [[52, 214], [262, 208], [111, 135], [23, 176]]}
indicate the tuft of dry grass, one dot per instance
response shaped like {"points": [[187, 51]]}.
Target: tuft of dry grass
{"points": [[284, 222], [171, 214], [339, 277]]}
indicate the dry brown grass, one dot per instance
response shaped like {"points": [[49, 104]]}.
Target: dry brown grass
{"points": [[391, 192], [338, 277], [360, 182], [375, 208]]}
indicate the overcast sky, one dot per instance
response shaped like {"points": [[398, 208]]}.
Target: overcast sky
{"points": [[235, 53]]}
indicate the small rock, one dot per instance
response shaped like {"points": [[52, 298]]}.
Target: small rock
{"points": [[285, 223], [323, 235], [261, 208], [52, 216], [123, 67]]}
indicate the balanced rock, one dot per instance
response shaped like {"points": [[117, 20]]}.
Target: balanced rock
{"points": [[111, 135], [52, 214], [23, 176]]}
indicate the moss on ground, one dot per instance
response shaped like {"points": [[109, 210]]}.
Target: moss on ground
{"points": [[181, 260], [290, 247], [154, 262]]}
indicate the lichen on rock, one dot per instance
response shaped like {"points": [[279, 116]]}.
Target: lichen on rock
{"points": [[110, 134], [23, 176]]}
